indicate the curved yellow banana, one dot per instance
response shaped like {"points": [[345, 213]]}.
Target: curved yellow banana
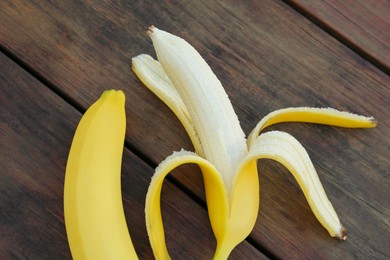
{"points": [[184, 81], [94, 217]]}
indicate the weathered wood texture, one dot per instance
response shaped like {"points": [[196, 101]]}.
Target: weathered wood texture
{"points": [[38, 127], [364, 25], [268, 56]]}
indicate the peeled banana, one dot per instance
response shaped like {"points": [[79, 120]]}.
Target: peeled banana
{"points": [[184, 81], [94, 216]]}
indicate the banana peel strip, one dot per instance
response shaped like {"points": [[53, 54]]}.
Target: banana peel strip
{"points": [[325, 116], [215, 193], [285, 149]]}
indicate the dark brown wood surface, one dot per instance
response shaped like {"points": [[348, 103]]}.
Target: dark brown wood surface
{"points": [[362, 25], [58, 57]]}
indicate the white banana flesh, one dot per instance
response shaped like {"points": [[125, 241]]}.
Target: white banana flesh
{"points": [[188, 86], [154, 77], [219, 131]]}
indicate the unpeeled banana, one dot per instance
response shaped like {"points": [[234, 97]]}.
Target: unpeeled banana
{"points": [[94, 216], [183, 80]]}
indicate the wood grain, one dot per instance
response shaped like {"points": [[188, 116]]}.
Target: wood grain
{"points": [[36, 131], [363, 25], [268, 57]]}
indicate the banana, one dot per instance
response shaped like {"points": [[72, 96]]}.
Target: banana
{"points": [[228, 161], [94, 216]]}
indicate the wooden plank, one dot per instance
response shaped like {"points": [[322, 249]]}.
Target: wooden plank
{"points": [[364, 25], [36, 130], [268, 57]]}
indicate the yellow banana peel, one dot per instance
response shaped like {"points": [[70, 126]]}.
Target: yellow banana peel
{"points": [[184, 81]]}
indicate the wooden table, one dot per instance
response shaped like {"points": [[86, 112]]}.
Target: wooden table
{"points": [[57, 57]]}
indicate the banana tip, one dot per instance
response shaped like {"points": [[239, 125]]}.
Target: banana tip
{"points": [[342, 235], [373, 121], [150, 29]]}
